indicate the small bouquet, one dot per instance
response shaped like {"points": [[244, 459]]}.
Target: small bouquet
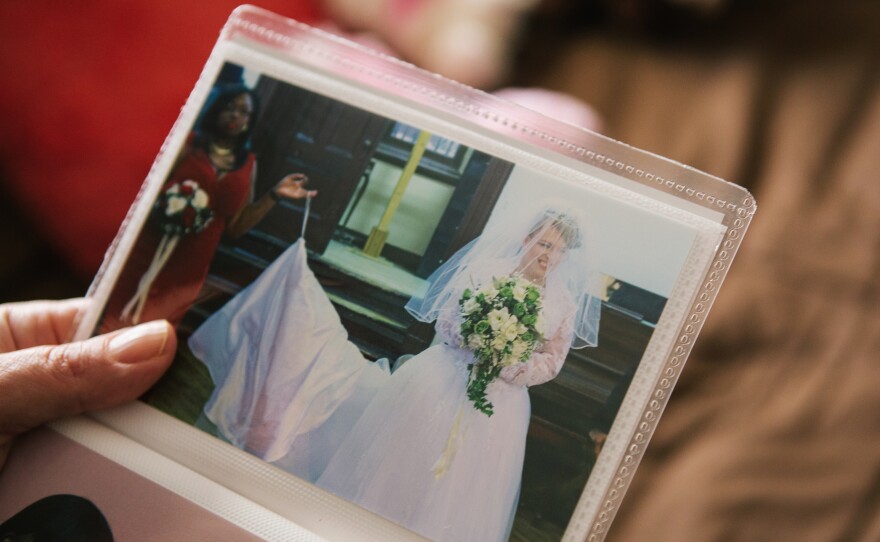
{"points": [[502, 324], [183, 208]]}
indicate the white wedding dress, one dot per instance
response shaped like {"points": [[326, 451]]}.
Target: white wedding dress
{"points": [[289, 384], [423, 456], [410, 447]]}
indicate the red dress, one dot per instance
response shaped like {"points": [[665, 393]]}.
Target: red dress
{"points": [[178, 283]]}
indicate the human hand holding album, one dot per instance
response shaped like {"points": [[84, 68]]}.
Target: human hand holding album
{"points": [[42, 379]]}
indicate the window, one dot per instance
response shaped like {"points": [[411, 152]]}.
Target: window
{"points": [[437, 145], [444, 159]]}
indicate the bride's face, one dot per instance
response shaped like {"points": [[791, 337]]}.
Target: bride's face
{"points": [[544, 250]]}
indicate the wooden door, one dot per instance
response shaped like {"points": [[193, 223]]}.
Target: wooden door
{"points": [[329, 141]]}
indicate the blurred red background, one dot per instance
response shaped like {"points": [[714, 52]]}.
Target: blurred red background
{"points": [[91, 90]]}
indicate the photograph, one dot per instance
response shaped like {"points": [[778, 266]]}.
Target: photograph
{"points": [[436, 334]]}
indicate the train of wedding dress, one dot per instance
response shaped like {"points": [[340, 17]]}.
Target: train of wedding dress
{"points": [[289, 383]]}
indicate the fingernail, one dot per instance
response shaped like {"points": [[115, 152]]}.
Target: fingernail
{"points": [[139, 343]]}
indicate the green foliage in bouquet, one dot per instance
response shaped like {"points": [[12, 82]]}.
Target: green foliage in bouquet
{"points": [[502, 324]]}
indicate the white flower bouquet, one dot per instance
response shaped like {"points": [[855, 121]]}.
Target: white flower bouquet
{"points": [[502, 324], [182, 208]]}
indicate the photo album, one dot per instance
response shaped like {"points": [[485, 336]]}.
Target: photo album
{"points": [[405, 309]]}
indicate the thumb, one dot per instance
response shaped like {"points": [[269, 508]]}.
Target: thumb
{"points": [[43, 383]]}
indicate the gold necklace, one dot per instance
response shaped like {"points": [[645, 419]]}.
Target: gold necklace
{"points": [[220, 151]]}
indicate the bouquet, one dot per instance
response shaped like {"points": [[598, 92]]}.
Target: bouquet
{"points": [[182, 208], [502, 324]]}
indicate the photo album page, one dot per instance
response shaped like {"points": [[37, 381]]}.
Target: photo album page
{"points": [[405, 309]]}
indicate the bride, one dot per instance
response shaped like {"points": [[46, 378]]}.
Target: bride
{"points": [[411, 446]]}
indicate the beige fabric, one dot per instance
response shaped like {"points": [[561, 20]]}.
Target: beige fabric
{"points": [[773, 432]]}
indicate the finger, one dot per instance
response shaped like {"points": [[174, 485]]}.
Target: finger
{"points": [[47, 382], [35, 323]]}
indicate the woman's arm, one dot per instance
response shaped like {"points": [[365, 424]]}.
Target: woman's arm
{"points": [[448, 328], [290, 187], [545, 362]]}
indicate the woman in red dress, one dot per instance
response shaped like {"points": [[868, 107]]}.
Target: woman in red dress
{"points": [[217, 158]]}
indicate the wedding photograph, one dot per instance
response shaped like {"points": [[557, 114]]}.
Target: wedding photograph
{"points": [[433, 333]]}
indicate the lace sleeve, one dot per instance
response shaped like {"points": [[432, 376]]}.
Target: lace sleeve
{"points": [[448, 328], [546, 361]]}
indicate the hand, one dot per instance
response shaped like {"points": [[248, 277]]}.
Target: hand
{"points": [[293, 187], [41, 379]]}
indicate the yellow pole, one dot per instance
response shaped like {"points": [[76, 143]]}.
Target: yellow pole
{"points": [[379, 234]]}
